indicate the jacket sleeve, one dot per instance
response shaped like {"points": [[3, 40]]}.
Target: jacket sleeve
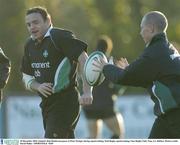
{"points": [[140, 73], [4, 69], [113, 73]]}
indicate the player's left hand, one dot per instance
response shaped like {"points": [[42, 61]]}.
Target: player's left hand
{"points": [[86, 99], [122, 63]]}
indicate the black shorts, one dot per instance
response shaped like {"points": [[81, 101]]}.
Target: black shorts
{"points": [[60, 114], [99, 114], [167, 125]]}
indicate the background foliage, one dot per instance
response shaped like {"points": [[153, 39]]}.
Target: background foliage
{"points": [[120, 19]]}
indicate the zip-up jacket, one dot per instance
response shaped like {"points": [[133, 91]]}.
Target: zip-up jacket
{"points": [[157, 69]]}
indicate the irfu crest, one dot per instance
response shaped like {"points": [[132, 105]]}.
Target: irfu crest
{"points": [[45, 53]]}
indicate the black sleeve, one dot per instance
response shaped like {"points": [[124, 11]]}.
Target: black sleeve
{"points": [[139, 73], [68, 43], [73, 48], [26, 63], [4, 69], [113, 73]]}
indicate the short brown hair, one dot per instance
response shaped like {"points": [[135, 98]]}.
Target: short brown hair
{"points": [[41, 10]]}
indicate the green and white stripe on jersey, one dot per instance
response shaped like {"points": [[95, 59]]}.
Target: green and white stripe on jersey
{"points": [[164, 96], [1, 51], [61, 79]]}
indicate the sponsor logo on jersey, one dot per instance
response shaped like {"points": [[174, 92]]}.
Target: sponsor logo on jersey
{"points": [[37, 73], [40, 65]]}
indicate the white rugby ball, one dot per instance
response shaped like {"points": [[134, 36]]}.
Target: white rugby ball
{"points": [[93, 78]]}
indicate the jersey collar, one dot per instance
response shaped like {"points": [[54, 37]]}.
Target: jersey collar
{"points": [[48, 32]]}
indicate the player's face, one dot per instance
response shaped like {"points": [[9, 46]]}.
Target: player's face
{"points": [[146, 31], [36, 25]]}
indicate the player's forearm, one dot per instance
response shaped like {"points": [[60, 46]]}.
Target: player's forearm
{"points": [[30, 82], [82, 59], [113, 73], [86, 88]]}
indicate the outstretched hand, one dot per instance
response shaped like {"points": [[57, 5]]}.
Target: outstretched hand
{"points": [[122, 63]]}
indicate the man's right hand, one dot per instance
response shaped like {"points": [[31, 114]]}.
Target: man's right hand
{"points": [[45, 89]]}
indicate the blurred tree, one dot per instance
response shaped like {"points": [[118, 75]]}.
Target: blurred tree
{"points": [[11, 36], [120, 19]]}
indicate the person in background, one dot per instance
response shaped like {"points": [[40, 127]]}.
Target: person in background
{"points": [[4, 72], [105, 94], [45, 49], [158, 70]]}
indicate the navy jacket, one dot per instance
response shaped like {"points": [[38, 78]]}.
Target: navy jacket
{"points": [[160, 62]]}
